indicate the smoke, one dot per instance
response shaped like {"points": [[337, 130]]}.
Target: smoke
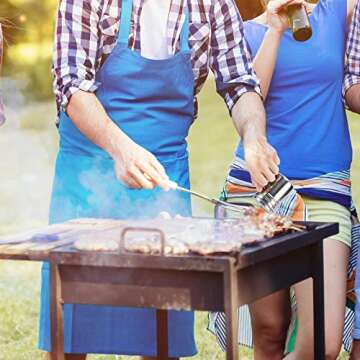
{"points": [[13, 92], [26, 162], [112, 199], [28, 146]]}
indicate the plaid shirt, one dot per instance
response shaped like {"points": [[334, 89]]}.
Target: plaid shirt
{"points": [[86, 33], [352, 72]]}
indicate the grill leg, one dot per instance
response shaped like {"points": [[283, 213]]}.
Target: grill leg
{"points": [[162, 334], [318, 296], [57, 336], [231, 311]]}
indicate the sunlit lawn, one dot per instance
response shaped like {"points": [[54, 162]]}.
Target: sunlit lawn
{"points": [[212, 144]]}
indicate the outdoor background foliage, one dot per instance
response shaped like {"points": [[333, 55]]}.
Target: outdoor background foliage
{"points": [[28, 29]]}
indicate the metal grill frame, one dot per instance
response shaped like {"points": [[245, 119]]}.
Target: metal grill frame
{"points": [[212, 283]]}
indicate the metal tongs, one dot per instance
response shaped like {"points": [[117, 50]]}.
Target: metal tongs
{"points": [[268, 199], [236, 208]]}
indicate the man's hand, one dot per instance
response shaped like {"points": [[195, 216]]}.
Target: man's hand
{"points": [[138, 168], [262, 161], [261, 158]]}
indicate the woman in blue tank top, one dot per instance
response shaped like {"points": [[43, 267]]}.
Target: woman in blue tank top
{"points": [[307, 125]]}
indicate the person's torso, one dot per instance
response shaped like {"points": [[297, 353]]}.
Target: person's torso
{"points": [[306, 120], [149, 99], [199, 34]]}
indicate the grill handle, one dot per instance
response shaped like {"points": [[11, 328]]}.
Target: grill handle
{"points": [[128, 230]]}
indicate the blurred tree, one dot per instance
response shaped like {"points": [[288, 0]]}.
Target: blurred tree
{"points": [[28, 29], [8, 18], [28, 20]]}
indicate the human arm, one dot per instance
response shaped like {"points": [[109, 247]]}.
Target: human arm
{"points": [[238, 85], [250, 121]]}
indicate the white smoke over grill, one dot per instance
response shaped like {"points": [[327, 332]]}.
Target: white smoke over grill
{"points": [[113, 200], [12, 91], [26, 161], [28, 146]]}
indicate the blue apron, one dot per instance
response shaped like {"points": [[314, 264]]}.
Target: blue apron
{"points": [[152, 102]]}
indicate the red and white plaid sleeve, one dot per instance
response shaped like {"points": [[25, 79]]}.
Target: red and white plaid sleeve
{"points": [[231, 59]]}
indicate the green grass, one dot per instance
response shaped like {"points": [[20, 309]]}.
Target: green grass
{"points": [[212, 143]]}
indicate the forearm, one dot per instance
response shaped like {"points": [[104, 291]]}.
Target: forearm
{"points": [[353, 98], [249, 117], [90, 117], [250, 121], [265, 59]]}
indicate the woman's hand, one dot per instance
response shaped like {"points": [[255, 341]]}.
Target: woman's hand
{"points": [[276, 13], [138, 168]]}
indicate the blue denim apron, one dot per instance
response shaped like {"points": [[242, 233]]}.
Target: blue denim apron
{"points": [[152, 102]]}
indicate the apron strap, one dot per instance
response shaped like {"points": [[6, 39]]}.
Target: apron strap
{"points": [[184, 35], [125, 21]]}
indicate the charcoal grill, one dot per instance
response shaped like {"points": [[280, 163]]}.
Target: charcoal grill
{"points": [[188, 282]]}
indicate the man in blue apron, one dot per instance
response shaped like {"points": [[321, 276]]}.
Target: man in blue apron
{"points": [[125, 77]]}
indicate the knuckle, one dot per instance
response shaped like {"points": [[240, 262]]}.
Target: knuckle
{"points": [[152, 157], [126, 176], [272, 151], [121, 173], [131, 169], [138, 162], [262, 183], [272, 177]]}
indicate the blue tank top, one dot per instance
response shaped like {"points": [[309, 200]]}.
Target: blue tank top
{"points": [[306, 119]]}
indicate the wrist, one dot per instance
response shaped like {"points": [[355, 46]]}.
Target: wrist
{"points": [[116, 140], [275, 34], [253, 137]]}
